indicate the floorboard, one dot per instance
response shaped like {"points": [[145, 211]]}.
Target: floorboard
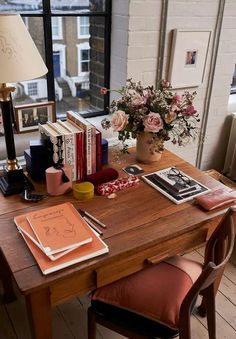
{"points": [[70, 318]]}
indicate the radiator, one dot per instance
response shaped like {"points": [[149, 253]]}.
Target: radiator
{"points": [[230, 159]]}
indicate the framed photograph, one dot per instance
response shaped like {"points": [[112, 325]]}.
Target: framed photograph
{"points": [[188, 57], [28, 116]]}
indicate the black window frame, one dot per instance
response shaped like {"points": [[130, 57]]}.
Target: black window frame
{"points": [[46, 14]]}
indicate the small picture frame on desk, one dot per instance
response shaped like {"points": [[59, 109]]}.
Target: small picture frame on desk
{"points": [[29, 116]]}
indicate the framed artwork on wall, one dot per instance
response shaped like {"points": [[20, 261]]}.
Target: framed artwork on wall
{"points": [[28, 116], [188, 57]]}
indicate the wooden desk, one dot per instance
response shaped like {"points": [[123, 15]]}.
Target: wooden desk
{"points": [[143, 226]]}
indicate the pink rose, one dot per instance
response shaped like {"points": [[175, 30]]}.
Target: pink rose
{"points": [[177, 99], [119, 121], [153, 122], [103, 90], [165, 83], [189, 111], [138, 100], [169, 117]]}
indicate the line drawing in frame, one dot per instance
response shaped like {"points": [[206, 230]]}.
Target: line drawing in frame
{"points": [[29, 116], [188, 57]]}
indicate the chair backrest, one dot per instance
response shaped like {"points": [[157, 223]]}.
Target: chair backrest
{"points": [[218, 251]]}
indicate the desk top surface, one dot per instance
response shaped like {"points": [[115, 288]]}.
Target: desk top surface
{"points": [[136, 219]]}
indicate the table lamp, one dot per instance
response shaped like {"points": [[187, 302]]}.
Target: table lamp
{"points": [[20, 61]]}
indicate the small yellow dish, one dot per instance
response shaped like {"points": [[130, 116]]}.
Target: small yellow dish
{"points": [[83, 191]]}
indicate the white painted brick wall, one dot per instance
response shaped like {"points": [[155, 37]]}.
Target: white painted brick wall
{"points": [[135, 50]]}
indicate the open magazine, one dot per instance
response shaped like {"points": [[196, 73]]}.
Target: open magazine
{"points": [[175, 184]]}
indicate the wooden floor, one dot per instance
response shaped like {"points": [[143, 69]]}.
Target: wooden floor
{"points": [[69, 319]]}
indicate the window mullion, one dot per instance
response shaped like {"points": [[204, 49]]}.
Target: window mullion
{"points": [[47, 25], [107, 52]]}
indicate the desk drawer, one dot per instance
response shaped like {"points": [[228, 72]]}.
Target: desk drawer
{"points": [[75, 285], [125, 266]]}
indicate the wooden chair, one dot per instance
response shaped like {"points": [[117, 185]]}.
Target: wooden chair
{"points": [[123, 306]]}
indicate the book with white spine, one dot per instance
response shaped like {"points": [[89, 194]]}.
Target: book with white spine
{"points": [[54, 141], [80, 157], [90, 140], [69, 146]]}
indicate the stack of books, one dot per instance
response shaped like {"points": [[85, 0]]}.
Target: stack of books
{"points": [[75, 142], [172, 187], [58, 237]]}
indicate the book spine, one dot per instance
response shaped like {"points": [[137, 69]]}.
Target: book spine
{"points": [[90, 140], [70, 154], [80, 156], [88, 151], [98, 150], [93, 150], [70, 147], [55, 144]]}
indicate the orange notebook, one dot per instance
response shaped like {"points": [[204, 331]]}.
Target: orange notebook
{"points": [[25, 229], [90, 250], [59, 228]]}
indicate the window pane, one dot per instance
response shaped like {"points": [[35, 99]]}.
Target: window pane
{"points": [[80, 6], [77, 87], [36, 89], [83, 26], [20, 6], [85, 54]]}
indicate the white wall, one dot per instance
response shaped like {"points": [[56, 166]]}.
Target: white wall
{"points": [[135, 39]]}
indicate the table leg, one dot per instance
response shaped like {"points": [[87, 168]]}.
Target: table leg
{"points": [[5, 276], [39, 313]]}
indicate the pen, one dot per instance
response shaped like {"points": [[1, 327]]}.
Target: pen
{"points": [[92, 226], [94, 219]]}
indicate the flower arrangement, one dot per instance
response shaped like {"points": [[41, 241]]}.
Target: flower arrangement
{"points": [[165, 114]]}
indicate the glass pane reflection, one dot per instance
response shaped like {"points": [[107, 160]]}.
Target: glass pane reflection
{"points": [[80, 6], [13, 6], [78, 64]]}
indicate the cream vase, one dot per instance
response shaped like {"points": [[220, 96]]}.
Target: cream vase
{"points": [[148, 148]]}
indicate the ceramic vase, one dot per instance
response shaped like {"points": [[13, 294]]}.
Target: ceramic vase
{"points": [[148, 147]]}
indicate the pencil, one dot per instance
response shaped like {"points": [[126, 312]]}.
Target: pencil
{"points": [[93, 226], [94, 219]]}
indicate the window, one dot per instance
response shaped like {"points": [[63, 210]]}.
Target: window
{"points": [[83, 27], [32, 88], [83, 58], [57, 28], [74, 74]]}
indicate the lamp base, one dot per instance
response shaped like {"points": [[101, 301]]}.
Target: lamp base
{"points": [[14, 182]]}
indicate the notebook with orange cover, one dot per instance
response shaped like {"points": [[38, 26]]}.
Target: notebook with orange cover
{"points": [[90, 250], [25, 230], [59, 228]]}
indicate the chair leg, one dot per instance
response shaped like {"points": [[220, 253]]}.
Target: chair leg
{"points": [[201, 309], [185, 325], [210, 310], [91, 324]]}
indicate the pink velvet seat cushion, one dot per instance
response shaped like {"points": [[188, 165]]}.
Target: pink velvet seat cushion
{"points": [[155, 292]]}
